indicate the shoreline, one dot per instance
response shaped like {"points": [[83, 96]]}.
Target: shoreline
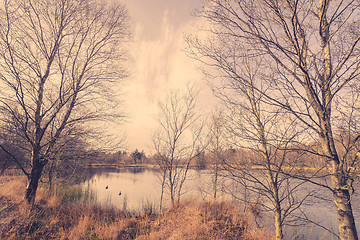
{"points": [[207, 167]]}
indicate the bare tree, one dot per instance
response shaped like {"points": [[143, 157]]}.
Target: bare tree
{"points": [[311, 50], [177, 141], [216, 148], [264, 164], [262, 133], [57, 60]]}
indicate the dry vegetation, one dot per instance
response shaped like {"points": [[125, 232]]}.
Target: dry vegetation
{"points": [[65, 216]]}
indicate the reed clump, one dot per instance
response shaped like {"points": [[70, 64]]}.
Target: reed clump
{"points": [[67, 213]]}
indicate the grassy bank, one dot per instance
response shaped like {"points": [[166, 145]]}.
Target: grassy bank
{"points": [[69, 214]]}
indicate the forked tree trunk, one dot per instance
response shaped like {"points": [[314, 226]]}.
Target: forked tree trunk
{"points": [[274, 187]]}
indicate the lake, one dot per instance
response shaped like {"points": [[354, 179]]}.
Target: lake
{"points": [[137, 188]]}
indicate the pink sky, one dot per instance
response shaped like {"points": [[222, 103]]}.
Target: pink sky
{"points": [[160, 64]]}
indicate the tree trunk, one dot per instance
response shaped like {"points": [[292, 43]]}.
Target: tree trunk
{"points": [[172, 187], [278, 225], [162, 190], [215, 181], [277, 204], [346, 222], [172, 195], [35, 175]]}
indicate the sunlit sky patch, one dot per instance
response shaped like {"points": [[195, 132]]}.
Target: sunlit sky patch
{"points": [[159, 65]]}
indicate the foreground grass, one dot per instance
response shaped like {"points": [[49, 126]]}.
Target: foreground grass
{"points": [[66, 215]]}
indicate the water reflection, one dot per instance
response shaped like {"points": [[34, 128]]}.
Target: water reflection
{"points": [[136, 188], [129, 188]]}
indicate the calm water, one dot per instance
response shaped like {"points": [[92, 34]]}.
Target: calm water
{"points": [[139, 187], [134, 189]]}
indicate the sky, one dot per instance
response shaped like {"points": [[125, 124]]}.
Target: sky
{"points": [[158, 65]]}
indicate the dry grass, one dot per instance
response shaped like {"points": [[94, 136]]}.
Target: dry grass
{"points": [[56, 216], [207, 220], [12, 187]]}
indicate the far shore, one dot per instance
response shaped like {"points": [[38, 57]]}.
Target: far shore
{"points": [[123, 165]]}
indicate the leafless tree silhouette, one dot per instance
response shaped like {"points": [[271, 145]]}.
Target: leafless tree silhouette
{"points": [[58, 60], [311, 55], [177, 140]]}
